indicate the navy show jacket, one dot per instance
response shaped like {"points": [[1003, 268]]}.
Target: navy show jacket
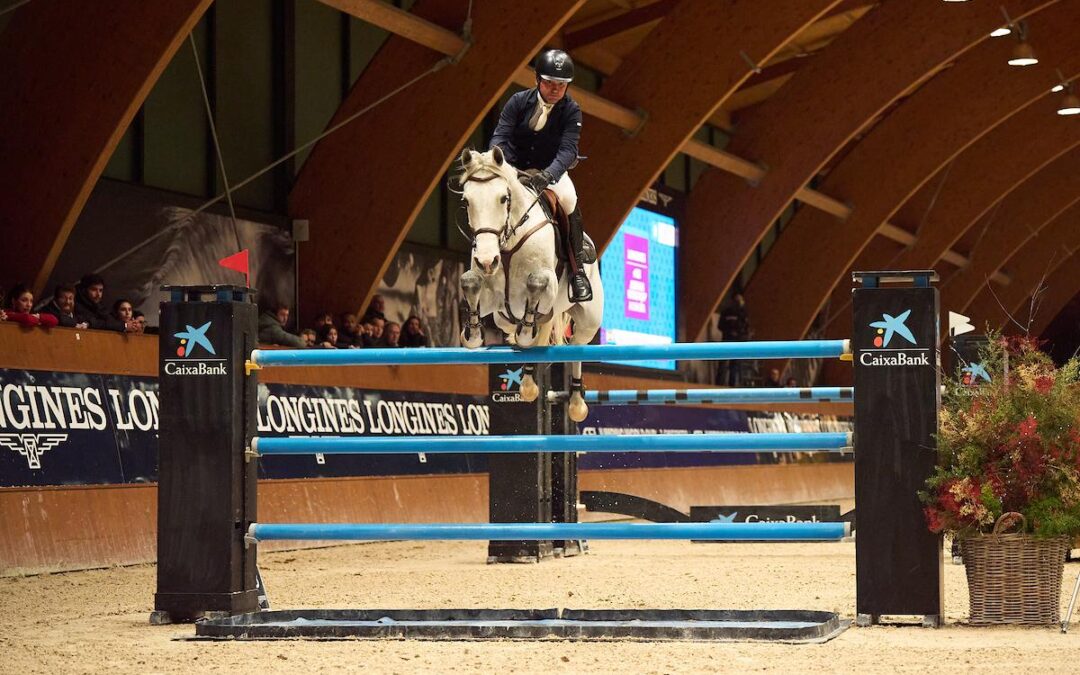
{"points": [[554, 148]]}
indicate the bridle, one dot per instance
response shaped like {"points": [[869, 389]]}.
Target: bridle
{"points": [[506, 255], [508, 231]]}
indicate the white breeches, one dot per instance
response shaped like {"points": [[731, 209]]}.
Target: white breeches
{"points": [[565, 191]]}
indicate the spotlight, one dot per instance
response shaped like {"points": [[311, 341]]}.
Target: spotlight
{"points": [[1023, 55], [1070, 105], [1056, 88], [1001, 32]]}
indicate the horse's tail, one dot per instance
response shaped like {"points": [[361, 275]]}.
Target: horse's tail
{"points": [[557, 326]]}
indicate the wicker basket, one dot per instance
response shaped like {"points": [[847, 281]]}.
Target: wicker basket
{"points": [[1014, 578]]}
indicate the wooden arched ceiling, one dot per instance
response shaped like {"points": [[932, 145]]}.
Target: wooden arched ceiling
{"points": [[919, 137], [362, 187], [1029, 269], [679, 75], [73, 76], [795, 133], [1061, 287], [962, 193], [1022, 216]]}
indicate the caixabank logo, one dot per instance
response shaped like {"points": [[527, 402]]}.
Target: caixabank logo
{"points": [[894, 344], [509, 390], [192, 342]]}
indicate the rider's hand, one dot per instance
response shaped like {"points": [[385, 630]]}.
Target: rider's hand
{"points": [[540, 180]]}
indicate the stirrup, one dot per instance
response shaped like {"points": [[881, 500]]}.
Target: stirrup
{"points": [[587, 296]]}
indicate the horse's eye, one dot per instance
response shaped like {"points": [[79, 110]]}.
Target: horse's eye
{"points": [[503, 199], [465, 202]]}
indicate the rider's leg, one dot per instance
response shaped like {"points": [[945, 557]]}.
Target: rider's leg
{"points": [[580, 290]]}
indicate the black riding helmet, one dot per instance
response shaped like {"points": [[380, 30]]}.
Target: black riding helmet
{"points": [[555, 65]]}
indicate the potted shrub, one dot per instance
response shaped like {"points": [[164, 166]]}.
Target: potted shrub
{"points": [[1007, 485]]}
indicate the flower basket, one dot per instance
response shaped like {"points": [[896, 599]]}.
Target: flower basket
{"points": [[1014, 578]]}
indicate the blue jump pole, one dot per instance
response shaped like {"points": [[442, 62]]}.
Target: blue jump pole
{"points": [[548, 531], [701, 351], [704, 396], [375, 445]]}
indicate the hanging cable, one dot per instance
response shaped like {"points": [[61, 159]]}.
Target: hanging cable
{"points": [[439, 65], [217, 141], [15, 7]]}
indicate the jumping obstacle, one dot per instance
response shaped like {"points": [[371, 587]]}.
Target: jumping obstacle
{"points": [[718, 396], [207, 511], [404, 445], [542, 531], [689, 351]]}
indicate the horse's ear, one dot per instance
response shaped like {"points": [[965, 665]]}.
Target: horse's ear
{"points": [[466, 156], [497, 154]]}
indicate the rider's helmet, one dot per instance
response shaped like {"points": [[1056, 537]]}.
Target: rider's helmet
{"points": [[554, 65]]}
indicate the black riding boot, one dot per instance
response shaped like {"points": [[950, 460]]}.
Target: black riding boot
{"points": [[580, 289]]}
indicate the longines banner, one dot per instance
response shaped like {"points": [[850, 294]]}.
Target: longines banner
{"points": [[75, 428]]}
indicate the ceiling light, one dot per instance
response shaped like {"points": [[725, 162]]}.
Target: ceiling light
{"points": [[1001, 32], [1056, 88], [1070, 105], [1023, 55]]}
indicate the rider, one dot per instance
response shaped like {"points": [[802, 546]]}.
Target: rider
{"points": [[539, 129]]}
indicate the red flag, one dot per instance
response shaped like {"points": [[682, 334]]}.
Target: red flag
{"points": [[238, 262]]}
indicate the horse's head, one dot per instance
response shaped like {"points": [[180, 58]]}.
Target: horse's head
{"points": [[488, 185]]}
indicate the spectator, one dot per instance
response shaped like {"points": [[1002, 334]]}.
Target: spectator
{"points": [[367, 332], [791, 382], [376, 309], [413, 334], [19, 307], [122, 311], [350, 336], [139, 319], [62, 306], [323, 319], [377, 329], [392, 335], [773, 380], [326, 337], [272, 329], [734, 325], [308, 336], [88, 307]]}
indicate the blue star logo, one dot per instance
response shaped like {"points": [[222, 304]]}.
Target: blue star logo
{"points": [[976, 371], [192, 338], [510, 378], [721, 518], [892, 325]]}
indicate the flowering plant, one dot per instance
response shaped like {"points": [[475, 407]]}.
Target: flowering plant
{"points": [[1009, 445]]}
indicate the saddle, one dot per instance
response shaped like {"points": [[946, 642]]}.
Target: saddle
{"points": [[554, 212]]}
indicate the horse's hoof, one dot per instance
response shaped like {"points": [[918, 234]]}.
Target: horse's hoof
{"points": [[529, 390], [471, 340], [577, 409]]}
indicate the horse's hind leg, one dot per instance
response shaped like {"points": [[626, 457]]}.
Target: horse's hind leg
{"points": [[529, 389], [472, 334], [576, 407]]}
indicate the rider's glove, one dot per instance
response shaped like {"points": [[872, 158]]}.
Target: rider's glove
{"points": [[540, 180]]}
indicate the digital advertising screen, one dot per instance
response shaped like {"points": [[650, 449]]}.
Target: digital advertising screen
{"points": [[638, 272]]}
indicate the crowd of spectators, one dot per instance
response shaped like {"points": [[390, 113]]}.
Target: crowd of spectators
{"points": [[348, 332], [78, 306]]}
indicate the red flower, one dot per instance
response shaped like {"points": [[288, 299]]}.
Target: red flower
{"points": [[1028, 427], [1044, 383]]}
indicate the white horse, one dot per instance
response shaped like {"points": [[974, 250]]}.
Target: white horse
{"points": [[512, 274]]}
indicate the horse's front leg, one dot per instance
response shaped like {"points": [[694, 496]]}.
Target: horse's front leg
{"points": [[472, 333], [529, 389], [576, 407], [540, 299]]}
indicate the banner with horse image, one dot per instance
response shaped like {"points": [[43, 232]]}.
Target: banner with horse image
{"points": [[139, 239], [425, 283]]}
